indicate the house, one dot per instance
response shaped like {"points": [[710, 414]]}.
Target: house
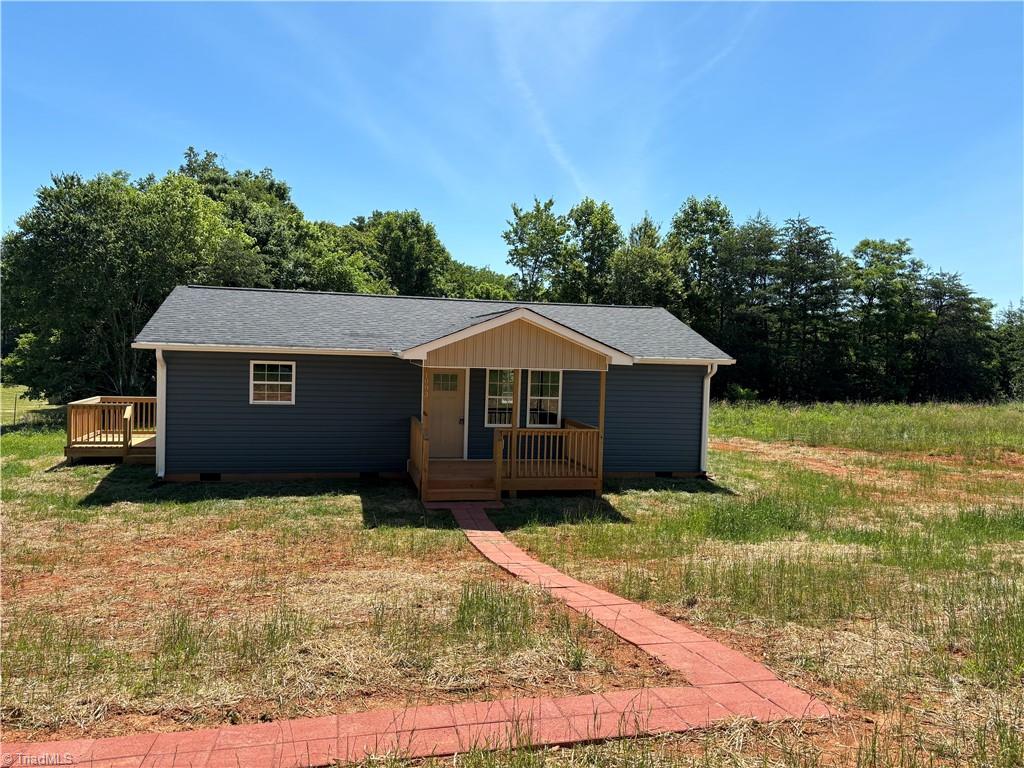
{"points": [[470, 398]]}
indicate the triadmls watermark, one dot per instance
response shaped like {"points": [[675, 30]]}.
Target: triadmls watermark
{"points": [[8, 759]]}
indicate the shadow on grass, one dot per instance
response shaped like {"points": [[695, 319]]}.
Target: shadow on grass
{"points": [[575, 509], [41, 419], [679, 485], [384, 503]]}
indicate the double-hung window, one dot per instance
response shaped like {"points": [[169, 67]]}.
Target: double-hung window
{"points": [[544, 407], [271, 382], [498, 411]]}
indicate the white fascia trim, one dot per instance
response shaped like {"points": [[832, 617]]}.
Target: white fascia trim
{"points": [[684, 361], [261, 350], [615, 356]]}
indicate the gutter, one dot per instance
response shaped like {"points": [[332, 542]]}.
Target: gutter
{"points": [[712, 369]]}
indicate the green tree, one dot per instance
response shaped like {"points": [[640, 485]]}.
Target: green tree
{"points": [[468, 282], [887, 316], [955, 356], [642, 271], [699, 240], [536, 246], [1009, 341], [262, 205], [746, 310], [810, 315], [592, 238], [90, 263], [414, 259], [340, 258]]}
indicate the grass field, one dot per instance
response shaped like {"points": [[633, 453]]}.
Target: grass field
{"points": [[860, 561], [15, 407]]}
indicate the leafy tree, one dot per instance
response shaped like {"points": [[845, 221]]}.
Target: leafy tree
{"points": [[699, 238], [468, 282], [262, 205], [642, 271], [954, 359], [91, 262], [536, 246], [1009, 341], [887, 315], [592, 238], [812, 296], [746, 310], [340, 258], [408, 248]]}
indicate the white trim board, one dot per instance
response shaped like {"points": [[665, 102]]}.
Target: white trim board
{"points": [[250, 349]]}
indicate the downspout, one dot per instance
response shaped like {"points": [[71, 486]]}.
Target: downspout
{"points": [[161, 412], [712, 369]]}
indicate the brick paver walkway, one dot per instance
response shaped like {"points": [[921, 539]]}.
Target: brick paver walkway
{"points": [[725, 684]]}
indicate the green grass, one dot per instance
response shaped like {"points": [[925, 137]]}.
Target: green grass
{"points": [[895, 586], [16, 408], [973, 431]]}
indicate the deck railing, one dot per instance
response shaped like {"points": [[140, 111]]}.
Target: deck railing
{"points": [[567, 452], [109, 420], [419, 454]]}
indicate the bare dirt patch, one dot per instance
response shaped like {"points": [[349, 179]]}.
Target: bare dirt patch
{"points": [[945, 479]]}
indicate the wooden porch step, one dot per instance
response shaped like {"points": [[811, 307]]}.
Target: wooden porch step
{"points": [[460, 494]]}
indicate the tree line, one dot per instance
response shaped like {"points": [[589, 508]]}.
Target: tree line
{"points": [[89, 263]]}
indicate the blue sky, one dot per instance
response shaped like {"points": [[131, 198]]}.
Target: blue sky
{"points": [[874, 120]]}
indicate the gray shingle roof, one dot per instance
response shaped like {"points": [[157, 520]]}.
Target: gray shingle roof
{"points": [[273, 318]]}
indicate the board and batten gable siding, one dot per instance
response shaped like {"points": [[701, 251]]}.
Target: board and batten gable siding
{"points": [[351, 414], [652, 415], [518, 344], [653, 418]]}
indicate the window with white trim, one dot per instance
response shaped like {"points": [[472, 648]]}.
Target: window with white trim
{"points": [[544, 406], [498, 409], [271, 382]]}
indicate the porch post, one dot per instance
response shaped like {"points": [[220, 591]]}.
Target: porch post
{"points": [[424, 446], [600, 433], [513, 449]]}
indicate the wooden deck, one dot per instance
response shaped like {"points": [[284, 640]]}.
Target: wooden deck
{"points": [[110, 427]]}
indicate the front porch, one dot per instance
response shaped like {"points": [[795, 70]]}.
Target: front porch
{"points": [[565, 456]]}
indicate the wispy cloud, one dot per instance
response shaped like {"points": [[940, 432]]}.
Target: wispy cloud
{"points": [[507, 46], [346, 100]]}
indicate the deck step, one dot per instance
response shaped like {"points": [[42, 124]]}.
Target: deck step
{"points": [[460, 494]]}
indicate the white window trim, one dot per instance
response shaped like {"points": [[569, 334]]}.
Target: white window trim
{"points": [[295, 374], [529, 385], [487, 379]]}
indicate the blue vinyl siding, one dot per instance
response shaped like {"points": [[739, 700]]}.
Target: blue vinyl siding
{"points": [[653, 418], [351, 414], [652, 415], [480, 437]]}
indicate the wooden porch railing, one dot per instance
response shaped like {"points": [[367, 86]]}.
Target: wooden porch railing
{"points": [[419, 454], [108, 421], [535, 453]]}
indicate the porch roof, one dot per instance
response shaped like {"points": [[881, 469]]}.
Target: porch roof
{"points": [[207, 317]]}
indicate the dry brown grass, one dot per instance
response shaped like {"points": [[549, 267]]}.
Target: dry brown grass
{"points": [[353, 577]]}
